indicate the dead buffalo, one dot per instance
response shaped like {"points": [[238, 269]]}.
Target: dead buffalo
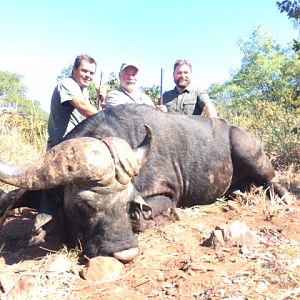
{"points": [[193, 160]]}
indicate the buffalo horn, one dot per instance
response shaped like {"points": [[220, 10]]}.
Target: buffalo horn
{"points": [[75, 160]]}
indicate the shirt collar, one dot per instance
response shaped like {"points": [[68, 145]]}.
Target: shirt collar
{"points": [[187, 89]]}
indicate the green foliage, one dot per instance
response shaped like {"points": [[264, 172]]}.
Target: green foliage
{"points": [[153, 92], [20, 111], [292, 9], [13, 99], [65, 73], [11, 83], [12, 92], [113, 82], [93, 94], [296, 46], [263, 96]]}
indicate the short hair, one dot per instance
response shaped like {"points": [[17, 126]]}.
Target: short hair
{"points": [[82, 57], [181, 62]]}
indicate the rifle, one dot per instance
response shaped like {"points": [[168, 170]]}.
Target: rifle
{"points": [[100, 83], [161, 86]]}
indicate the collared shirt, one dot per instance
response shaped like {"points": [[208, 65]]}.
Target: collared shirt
{"points": [[190, 102], [121, 96], [63, 116]]}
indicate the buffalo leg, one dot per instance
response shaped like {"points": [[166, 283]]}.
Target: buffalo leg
{"points": [[46, 219], [250, 162], [51, 202]]}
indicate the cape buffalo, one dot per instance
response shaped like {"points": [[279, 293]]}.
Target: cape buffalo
{"points": [[193, 160]]}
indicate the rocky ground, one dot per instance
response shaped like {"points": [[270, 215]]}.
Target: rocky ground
{"points": [[180, 260]]}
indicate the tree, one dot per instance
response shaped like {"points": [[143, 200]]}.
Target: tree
{"points": [[21, 112], [292, 8], [113, 82], [263, 95], [11, 83], [65, 73], [13, 96], [268, 73], [153, 92]]}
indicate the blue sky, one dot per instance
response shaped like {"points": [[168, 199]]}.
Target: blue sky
{"points": [[39, 38]]}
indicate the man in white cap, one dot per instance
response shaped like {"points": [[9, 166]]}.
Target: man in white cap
{"points": [[128, 91]]}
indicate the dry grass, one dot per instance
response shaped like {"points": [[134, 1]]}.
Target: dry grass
{"points": [[15, 144]]}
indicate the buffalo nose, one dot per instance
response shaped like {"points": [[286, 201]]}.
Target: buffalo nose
{"points": [[127, 255]]}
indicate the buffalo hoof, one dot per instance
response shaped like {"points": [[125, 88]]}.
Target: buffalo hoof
{"points": [[39, 233], [38, 237], [127, 255], [42, 219]]}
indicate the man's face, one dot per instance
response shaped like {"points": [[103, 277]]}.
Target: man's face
{"points": [[85, 74], [129, 78], [182, 76]]}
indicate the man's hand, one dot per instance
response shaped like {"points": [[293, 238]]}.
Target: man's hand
{"points": [[162, 108], [101, 93]]}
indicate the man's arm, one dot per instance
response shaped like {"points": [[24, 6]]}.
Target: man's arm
{"points": [[84, 107], [210, 110], [70, 92]]}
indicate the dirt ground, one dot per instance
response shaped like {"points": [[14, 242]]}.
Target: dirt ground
{"points": [[174, 262]]}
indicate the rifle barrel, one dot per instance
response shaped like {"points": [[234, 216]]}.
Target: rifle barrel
{"points": [[161, 86], [100, 83]]}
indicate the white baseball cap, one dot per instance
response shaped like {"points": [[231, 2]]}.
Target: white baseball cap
{"points": [[129, 63]]}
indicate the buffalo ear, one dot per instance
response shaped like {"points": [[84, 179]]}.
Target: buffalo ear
{"points": [[139, 211], [128, 161], [139, 205], [142, 152]]}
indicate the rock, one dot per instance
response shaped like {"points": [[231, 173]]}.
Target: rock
{"points": [[102, 268], [232, 205], [58, 264], [235, 234], [177, 214]]}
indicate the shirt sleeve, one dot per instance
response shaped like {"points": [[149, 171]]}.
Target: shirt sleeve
{"points": [[69, 89], [113, 98], [202, 98], [147, 100]]}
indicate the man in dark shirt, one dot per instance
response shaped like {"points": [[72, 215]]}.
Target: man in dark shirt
{"points": [[185, 98]]}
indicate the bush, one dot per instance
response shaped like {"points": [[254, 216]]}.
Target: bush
{"points": [[24, 130], [275, 126]]}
